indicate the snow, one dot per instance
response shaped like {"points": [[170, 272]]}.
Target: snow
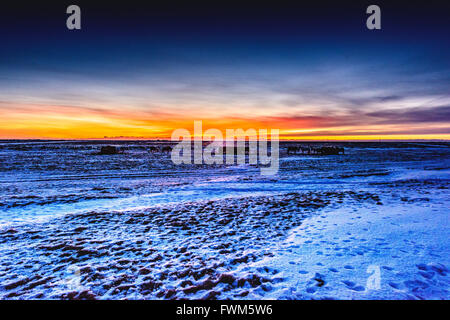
{"points": [[407, 245], [372, 224]]}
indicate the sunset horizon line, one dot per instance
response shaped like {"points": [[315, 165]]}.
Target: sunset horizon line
{"points": [[281, 138]]}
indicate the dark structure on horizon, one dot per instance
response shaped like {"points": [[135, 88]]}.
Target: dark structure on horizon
{"points": [[311, 150]]}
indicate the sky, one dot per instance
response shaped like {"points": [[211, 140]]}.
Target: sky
{"points": [[141, 70]]}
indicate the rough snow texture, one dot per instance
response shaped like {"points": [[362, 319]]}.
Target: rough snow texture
{"points": [[373, 224]]}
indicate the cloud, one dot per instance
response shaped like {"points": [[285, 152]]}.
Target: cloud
{"points": [[439, 114]]}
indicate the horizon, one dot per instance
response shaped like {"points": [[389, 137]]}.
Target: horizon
{"points": [[281, 140]]}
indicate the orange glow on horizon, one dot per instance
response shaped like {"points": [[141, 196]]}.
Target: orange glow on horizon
{"points": [[42, 122]]}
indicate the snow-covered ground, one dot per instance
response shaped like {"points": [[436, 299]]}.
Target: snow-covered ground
{"points": [[372, 224], [393, 251]]}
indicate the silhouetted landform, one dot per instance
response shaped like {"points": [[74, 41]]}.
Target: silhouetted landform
{"points": [[325, 150], [295, 149], [108, 150], [16, 144]]}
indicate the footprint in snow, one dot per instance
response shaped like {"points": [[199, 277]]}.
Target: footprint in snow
{"points": [[348, 267], [311, 289], [352, 286], [303, 271], [427, 275], [394, 285], [416, 284]]}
